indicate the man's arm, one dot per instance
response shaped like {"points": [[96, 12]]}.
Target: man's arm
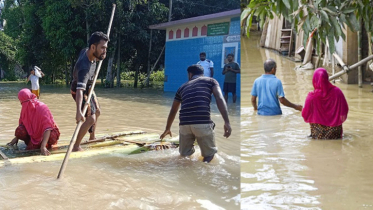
{"points": [[253, 102], [28, 79], [237, 70], [287, 103], [222, 106], [212, 71], [225, 70], [171, 118], [79, 101]]}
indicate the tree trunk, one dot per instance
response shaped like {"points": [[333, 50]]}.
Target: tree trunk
{"points": [[118, 63], [87, 25], [67, 74], [110, 76], [136, 75]]}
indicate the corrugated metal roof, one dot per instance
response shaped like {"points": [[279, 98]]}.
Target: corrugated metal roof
{"points": [[226, 14]]}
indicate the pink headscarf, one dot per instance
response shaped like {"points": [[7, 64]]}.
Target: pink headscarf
{"points": [[35, 116], [326, 105]]}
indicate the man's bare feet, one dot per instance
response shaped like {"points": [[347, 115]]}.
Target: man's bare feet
{"points": [[77, 149]]}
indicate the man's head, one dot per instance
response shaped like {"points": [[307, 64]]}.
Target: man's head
{"points": [[270, 66], [32, 71], [202, 56], [98, 44], [230, 57], [194, 70]]}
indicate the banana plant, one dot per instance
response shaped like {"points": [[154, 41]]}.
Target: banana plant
{"points": [[324, 16]]}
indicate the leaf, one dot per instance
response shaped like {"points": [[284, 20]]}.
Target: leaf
{"points": [[342, 20], [324, 16], [331, 41], [355, 26], [244, 15], [332, 8], [336, 26], [287, 3], [348, 10]]}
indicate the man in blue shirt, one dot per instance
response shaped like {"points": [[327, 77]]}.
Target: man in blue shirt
{"points": [[269, 91]]}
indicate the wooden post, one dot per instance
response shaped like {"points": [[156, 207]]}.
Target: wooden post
{"points": [[150, 48]]}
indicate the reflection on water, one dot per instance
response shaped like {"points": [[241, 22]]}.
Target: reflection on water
{"points": [[280, 167], [151, 180]]}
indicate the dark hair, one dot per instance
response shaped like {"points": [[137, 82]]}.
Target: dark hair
{"points": [[96, 37], [230, 54], [269, 65], [195, 69], [202, 53]]}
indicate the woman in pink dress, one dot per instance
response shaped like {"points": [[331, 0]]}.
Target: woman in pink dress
{"points": [[36, 124], [326, 108]]}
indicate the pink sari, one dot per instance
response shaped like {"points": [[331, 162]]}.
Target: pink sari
{"points": [[35, 117], [326, 105]]}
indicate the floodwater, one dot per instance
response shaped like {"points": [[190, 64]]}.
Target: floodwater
{"points": [[150, 180], [280, 167]]}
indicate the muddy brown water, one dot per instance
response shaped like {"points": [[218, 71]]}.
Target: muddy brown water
{"points": [[280, 167], [151, 180]]}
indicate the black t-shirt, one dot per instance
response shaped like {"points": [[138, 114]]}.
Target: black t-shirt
{"points": [[84, 72]]}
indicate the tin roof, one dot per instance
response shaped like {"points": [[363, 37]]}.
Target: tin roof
{"points": [[226, 14]]}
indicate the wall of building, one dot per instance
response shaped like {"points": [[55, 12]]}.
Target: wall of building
{"points": [[183, 50]]}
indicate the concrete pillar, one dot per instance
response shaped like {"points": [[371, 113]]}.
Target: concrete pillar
{"points": [[350, 55]]}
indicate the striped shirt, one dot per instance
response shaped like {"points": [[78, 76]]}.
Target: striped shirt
{"points": [[195, 98]]}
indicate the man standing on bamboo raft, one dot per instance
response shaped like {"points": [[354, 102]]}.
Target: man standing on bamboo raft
{"points": [[83, 76], [195, 117]]}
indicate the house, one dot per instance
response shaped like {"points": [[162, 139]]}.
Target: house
{"points": [[216, 34]]}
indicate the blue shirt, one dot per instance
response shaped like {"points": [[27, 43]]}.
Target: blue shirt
{"points": [[195, 98], [268, 89]]}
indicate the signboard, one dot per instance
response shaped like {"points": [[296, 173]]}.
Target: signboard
{"points": [[217, 29], [232, 38]]}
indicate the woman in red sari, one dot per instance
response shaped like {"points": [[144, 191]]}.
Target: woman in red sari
{"points": [[326, 108], [36, 124]]}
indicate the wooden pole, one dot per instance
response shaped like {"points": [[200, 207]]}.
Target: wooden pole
{"points": [[347, 69], [73, 139], [150, 49]]}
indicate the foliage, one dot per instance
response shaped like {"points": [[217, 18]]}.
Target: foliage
{"points": [[324, 16], [50, 34], [157, 76]]}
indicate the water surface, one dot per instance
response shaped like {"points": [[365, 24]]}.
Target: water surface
{"points": [[151, 180], [280, 167]]}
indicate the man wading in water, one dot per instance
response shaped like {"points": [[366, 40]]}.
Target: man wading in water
{"points": [[83, 76], [195, 120]]}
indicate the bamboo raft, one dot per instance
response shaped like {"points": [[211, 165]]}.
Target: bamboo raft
{"points": [[133, 142]]}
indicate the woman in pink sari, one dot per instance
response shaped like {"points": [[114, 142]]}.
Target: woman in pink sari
{"points": [[326, 108], [36, 124]]}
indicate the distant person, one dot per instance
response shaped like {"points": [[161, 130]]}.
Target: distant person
{"points": [[208, 65], [83, 76], [269, 90], [230, 70], [195, 118], [325, 108], [36, 124], [35, 74]]}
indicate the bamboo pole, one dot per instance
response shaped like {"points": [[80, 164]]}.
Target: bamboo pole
{"points": [[4, 156], [346, 69], [66, 159], [360, 73]]}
